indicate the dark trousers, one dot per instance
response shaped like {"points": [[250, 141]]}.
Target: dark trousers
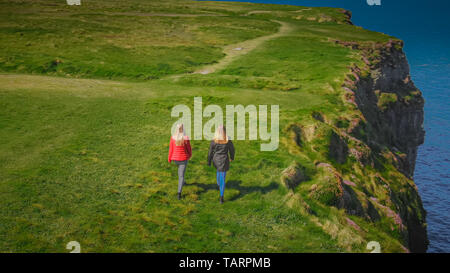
{"points": [[181, 170]]}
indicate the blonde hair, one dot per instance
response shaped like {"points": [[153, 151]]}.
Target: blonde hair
{"points": [[179, 135], [220, 136]]}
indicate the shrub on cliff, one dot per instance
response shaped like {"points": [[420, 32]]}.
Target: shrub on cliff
{"points": [[385, 99], [329, 190]]}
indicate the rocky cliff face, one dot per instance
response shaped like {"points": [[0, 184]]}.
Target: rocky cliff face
{"points": [[392, 108], [365, 157], [360, 186]]}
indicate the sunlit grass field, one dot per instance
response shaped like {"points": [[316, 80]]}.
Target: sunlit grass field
{"points": [[84, 139], [86, 160]]}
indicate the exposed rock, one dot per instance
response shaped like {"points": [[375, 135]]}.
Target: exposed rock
{"points": [[348, 15], [338, 149], [398, 125], [295, 132], [335, 192], [411, 211], [351, 203], [293, 175], [372, 212], [392, 109], [318, 116]]}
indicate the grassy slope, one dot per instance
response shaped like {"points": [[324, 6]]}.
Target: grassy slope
{"points": [[85, 159]]}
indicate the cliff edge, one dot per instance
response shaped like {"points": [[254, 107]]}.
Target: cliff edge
{"points": [[367, 165], [371, 155], [393, 111]]}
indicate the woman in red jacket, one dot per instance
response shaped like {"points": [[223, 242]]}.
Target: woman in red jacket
{"points": [[180, 152]]}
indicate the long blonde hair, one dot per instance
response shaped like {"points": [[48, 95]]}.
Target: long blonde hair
{"points": [[220, 136], [179, 135]]}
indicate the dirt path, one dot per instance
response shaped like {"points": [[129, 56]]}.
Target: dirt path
{"points": [[165, 14], [301, 10], [269, 11], [234, 51]]}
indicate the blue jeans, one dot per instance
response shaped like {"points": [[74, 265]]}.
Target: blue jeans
{"points": [[221, 181]]}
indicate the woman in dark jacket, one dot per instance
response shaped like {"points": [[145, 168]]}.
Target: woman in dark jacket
{"points": [[219, 149]]}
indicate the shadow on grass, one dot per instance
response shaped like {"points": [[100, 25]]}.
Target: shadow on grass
{"points": [[236, 184]]}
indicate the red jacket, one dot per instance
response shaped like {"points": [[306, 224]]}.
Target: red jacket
{"points": [[181, 153]]}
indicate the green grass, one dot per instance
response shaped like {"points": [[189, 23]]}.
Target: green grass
{"points": [[86, 159], [97, 43], [385, 99], [94, 166]]}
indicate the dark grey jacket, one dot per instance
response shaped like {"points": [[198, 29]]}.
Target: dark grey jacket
{"points": [[218, 154]]}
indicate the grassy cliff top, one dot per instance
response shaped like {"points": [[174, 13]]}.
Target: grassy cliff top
{"points": [[151, 39], [84, 143]]}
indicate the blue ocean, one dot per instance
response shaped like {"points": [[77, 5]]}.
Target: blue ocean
{"points": [[425, 28]]}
